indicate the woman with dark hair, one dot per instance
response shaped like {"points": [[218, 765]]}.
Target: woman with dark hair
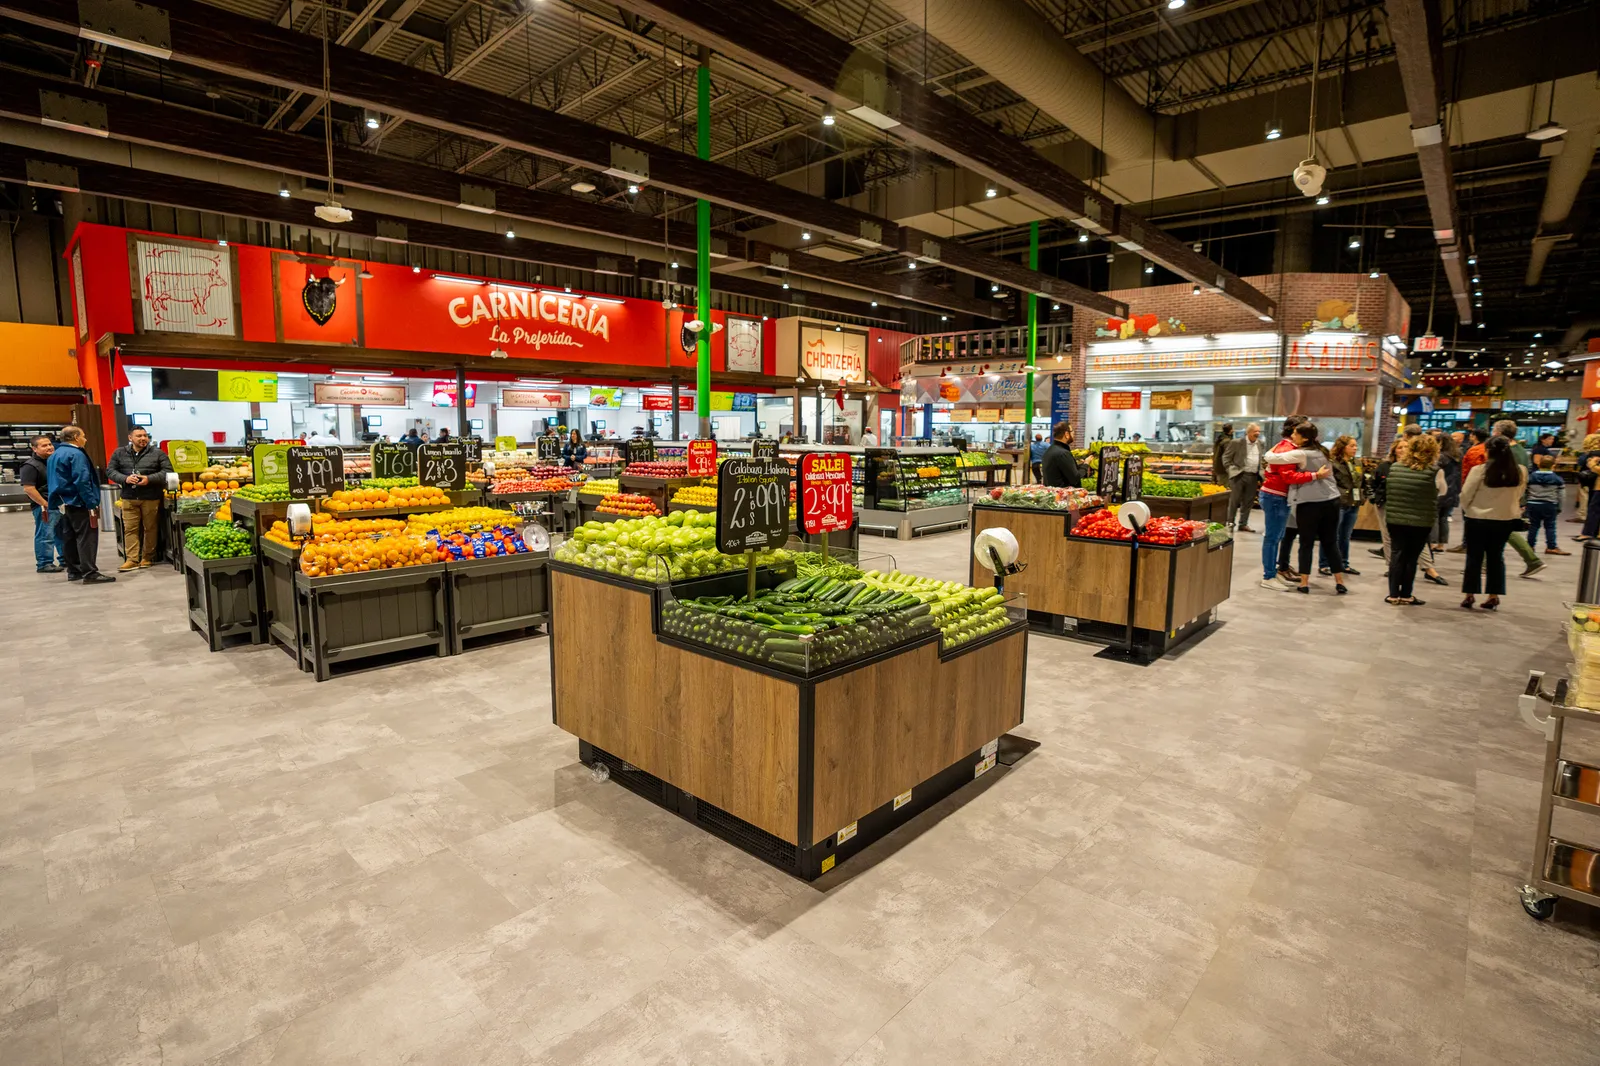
{"points": [[1347, 474], [1316, 508], [1411, 503], [1450, 466], [1491, 506], [574, 451]]}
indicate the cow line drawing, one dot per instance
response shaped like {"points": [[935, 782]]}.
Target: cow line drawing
{"points": [[172, 282]]}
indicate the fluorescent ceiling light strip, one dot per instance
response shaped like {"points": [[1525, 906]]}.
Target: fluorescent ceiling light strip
{"points": [[459, 280]]}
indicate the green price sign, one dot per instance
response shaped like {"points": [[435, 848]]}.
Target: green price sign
{"points": [[271, 464], [188, 456], [505, 444]]}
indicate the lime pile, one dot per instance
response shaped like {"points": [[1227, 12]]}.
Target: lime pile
{"points": [[217, 540], [264, 493]]}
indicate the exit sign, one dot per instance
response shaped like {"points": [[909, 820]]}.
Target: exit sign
{"points": [[1428, 343]]}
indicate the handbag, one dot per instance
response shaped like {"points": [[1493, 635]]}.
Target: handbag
{"points": [[1519, 525]]}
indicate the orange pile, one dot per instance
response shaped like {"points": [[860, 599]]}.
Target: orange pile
{"points": [[326, 529], [363, 555], [382, 499]]}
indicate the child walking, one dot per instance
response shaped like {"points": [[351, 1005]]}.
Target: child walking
{"points": [[1544, 504]]}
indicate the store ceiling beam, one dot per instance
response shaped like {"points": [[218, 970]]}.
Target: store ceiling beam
{"points": [[214, 39], [1419, 52], [141, 121], [785, 45]]}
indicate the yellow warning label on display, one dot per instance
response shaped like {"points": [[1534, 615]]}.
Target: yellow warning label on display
{"points": [[992, 747], [902, 799], [827, 864], [846, 833], [984, 766]]}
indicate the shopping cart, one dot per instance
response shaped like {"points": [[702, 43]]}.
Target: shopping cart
{"points": [[1561, 869]]}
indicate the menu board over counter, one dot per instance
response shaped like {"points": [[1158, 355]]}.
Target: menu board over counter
{"points": [[315, 471], [392, 459], [1133, 476], [639, 450], [701, 455], [752, 505], [444, 466], [271, 464], [549, 447], [826, 497], [1106, 481]]}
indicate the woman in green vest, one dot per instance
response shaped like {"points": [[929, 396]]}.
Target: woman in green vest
{"points": [[1411, 503]]}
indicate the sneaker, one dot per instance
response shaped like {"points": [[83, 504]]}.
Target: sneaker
{"points": [[51, 568], [74, 577], [1533, 568], [98, 578], [131, 564], [1276, 584], [1375, 551]]}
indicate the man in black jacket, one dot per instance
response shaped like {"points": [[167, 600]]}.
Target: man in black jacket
{"points": [[141, 469], [1060, 468]]}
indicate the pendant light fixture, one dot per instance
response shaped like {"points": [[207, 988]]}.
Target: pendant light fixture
{"points": [[330, 210]]}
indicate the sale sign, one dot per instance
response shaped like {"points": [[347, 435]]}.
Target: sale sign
{"points": [[702, 458], [827, 501]]}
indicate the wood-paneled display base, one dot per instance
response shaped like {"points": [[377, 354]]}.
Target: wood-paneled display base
{"points": [[1078, 586], [1211, 508], [781, 766]]}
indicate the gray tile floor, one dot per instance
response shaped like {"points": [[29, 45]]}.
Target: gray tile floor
{"points": [[1295, 842]]}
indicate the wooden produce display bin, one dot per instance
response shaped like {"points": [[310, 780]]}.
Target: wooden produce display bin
{"points": [[223, 598], [285, 614], [351, 617], [1212, 508], [801, 772], [659, 489], [498, 595], [1078, 586]]}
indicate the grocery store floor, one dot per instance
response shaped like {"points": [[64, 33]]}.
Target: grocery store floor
{"points": [[1296, 842]]}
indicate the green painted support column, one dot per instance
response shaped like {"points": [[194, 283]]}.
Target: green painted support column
{"points": [[702, 258], [1033, 331]]}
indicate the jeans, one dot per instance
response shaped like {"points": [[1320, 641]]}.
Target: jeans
{"points": [[1318, 522], [47, 547], [1275, 513], [1486, 549], [1347, 526], [1406, 543], [1542, 515], [1242, 492]]}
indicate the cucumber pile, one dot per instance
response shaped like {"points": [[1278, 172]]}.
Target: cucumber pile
{"points": [[805, 624], [961, 613]]}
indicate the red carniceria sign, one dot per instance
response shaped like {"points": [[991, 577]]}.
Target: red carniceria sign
{"points": [[702, 458], [827, 503]]}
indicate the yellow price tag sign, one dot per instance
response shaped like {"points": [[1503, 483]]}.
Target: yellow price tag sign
{"points": [[247, 386], [505, 444], [188, 456]]}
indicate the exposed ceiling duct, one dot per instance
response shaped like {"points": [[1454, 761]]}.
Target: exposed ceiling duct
{"points": [[1016, 46], [1414, 26], [1568, 170]]}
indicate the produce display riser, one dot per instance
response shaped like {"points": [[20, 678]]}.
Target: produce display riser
{"points": [[774, 763], [489, 597], [223, 598], [1212, 508], [1078, 586], [659, 489], [354, 617], [904, 525], [285, 612], [258, 516]]}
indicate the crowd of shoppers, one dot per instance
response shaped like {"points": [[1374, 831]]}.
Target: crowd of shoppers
{"points": [[1306, 488]]}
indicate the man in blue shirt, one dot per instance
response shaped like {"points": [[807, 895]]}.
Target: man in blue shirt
{"points": [[1036, 456], [75, 490]]}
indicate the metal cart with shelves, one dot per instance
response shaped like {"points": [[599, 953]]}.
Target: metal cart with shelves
{"points": [[1561, 869]]}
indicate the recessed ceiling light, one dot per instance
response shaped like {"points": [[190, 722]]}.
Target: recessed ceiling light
{"points": [[583, 186], [805, 235], [991, 192], [1274, 131]]}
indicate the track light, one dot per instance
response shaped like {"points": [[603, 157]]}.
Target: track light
{"points": [[283, 188], [1149, 268], [805, 235], [1055, 307], [511, 234], [1372, 273], [222, 242], [1083, 238], [1196, 290], [415, 269], [1355, 242], [370, 119], [633, 190], [991, 192], [1274, 131]]}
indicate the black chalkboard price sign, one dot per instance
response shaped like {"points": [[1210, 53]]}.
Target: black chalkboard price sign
{"points": [[752, 505], [640, 450], [764, 448], [444, 466], [474, 448], [315, 472], [1105, 482], [1132, 477], [549, 447], [391, 459]]}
